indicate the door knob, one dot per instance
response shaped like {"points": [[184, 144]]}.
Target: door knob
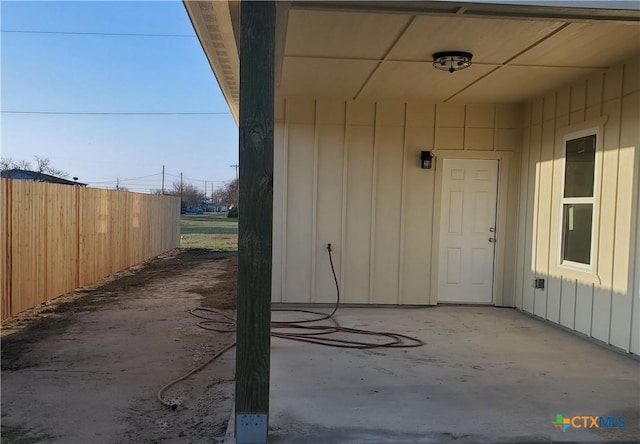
{"points": [[491, 229], [492, 239]]}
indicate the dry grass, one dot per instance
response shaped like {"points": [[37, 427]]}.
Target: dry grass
{"points": [[219, 242]]}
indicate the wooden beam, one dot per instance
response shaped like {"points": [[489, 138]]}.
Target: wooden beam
{"points": [[257, 40]]}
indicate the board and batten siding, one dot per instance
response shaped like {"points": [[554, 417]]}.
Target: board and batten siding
{"points": [[348, 173], [606, 307]]}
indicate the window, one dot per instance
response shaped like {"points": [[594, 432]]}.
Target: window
{"points": [[578, 201]]}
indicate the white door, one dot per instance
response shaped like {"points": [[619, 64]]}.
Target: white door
{"points": [[467, 231]]}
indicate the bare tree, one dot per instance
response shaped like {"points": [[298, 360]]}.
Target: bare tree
{"points": [[227, 194], [43, 165], [191, 195], [216, 198], [7, 163]]}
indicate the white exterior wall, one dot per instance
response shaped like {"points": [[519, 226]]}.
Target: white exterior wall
{"points": [[607, 305], [348, 173]]}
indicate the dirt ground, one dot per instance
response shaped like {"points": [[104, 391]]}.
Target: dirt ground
{"points": [[86, 367]]}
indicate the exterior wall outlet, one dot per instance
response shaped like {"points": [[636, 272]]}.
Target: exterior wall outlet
{"points": [[538, 284]]}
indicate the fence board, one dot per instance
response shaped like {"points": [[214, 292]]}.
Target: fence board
{"points": [[5, 264], [61, 240], [28, 245], [57, 237]]}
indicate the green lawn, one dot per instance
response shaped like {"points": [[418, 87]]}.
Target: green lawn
{"points": [[214, 231]]}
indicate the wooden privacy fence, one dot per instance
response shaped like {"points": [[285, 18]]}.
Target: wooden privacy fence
{"points": [[59, 237]]}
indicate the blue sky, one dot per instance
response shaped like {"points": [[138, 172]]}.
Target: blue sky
{"points": [[98, 73]]}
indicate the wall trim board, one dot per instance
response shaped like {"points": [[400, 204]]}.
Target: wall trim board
{"points": [[285, 200], [345, 179], [435, 234], [523, 204], [314, 202], [618, 138], [372, 226], [575, 302], [593, 290], [536, 207], [403, 205], [635, 303], [501, 229], [560, 302], [549, 222], [634, 253]]}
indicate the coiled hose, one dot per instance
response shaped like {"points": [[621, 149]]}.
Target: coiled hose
{"points": [[305, 330]]}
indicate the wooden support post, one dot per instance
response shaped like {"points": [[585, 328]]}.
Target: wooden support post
{"points": [[257, 35]]}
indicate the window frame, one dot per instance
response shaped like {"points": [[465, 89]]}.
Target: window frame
{"points": [[593, 201]]}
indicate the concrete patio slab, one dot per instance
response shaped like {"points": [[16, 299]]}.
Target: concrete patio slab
{"points": [[486, 374]]}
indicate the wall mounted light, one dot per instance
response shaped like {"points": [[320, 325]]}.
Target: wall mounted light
{"points": [[452, 61], [426, 160]]}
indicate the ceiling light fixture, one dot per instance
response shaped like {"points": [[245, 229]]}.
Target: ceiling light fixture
{"points": [[452, 61]]}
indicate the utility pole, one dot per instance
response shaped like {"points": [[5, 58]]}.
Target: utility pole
{"points": [[117, 183], [163, 180], [180, 190], [205, 191], [236, 167]]}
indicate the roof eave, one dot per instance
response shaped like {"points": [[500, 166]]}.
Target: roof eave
{"points": [[213, 25]]}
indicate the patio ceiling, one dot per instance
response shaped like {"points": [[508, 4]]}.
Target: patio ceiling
{"points": [[383, 50], [350, 55]]}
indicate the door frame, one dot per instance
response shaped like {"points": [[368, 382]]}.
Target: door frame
{"points": [[505, 173], [494, 166]]}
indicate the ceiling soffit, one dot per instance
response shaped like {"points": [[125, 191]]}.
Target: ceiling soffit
{"points": [[213, 25], [351, 55], [327, 34]]}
